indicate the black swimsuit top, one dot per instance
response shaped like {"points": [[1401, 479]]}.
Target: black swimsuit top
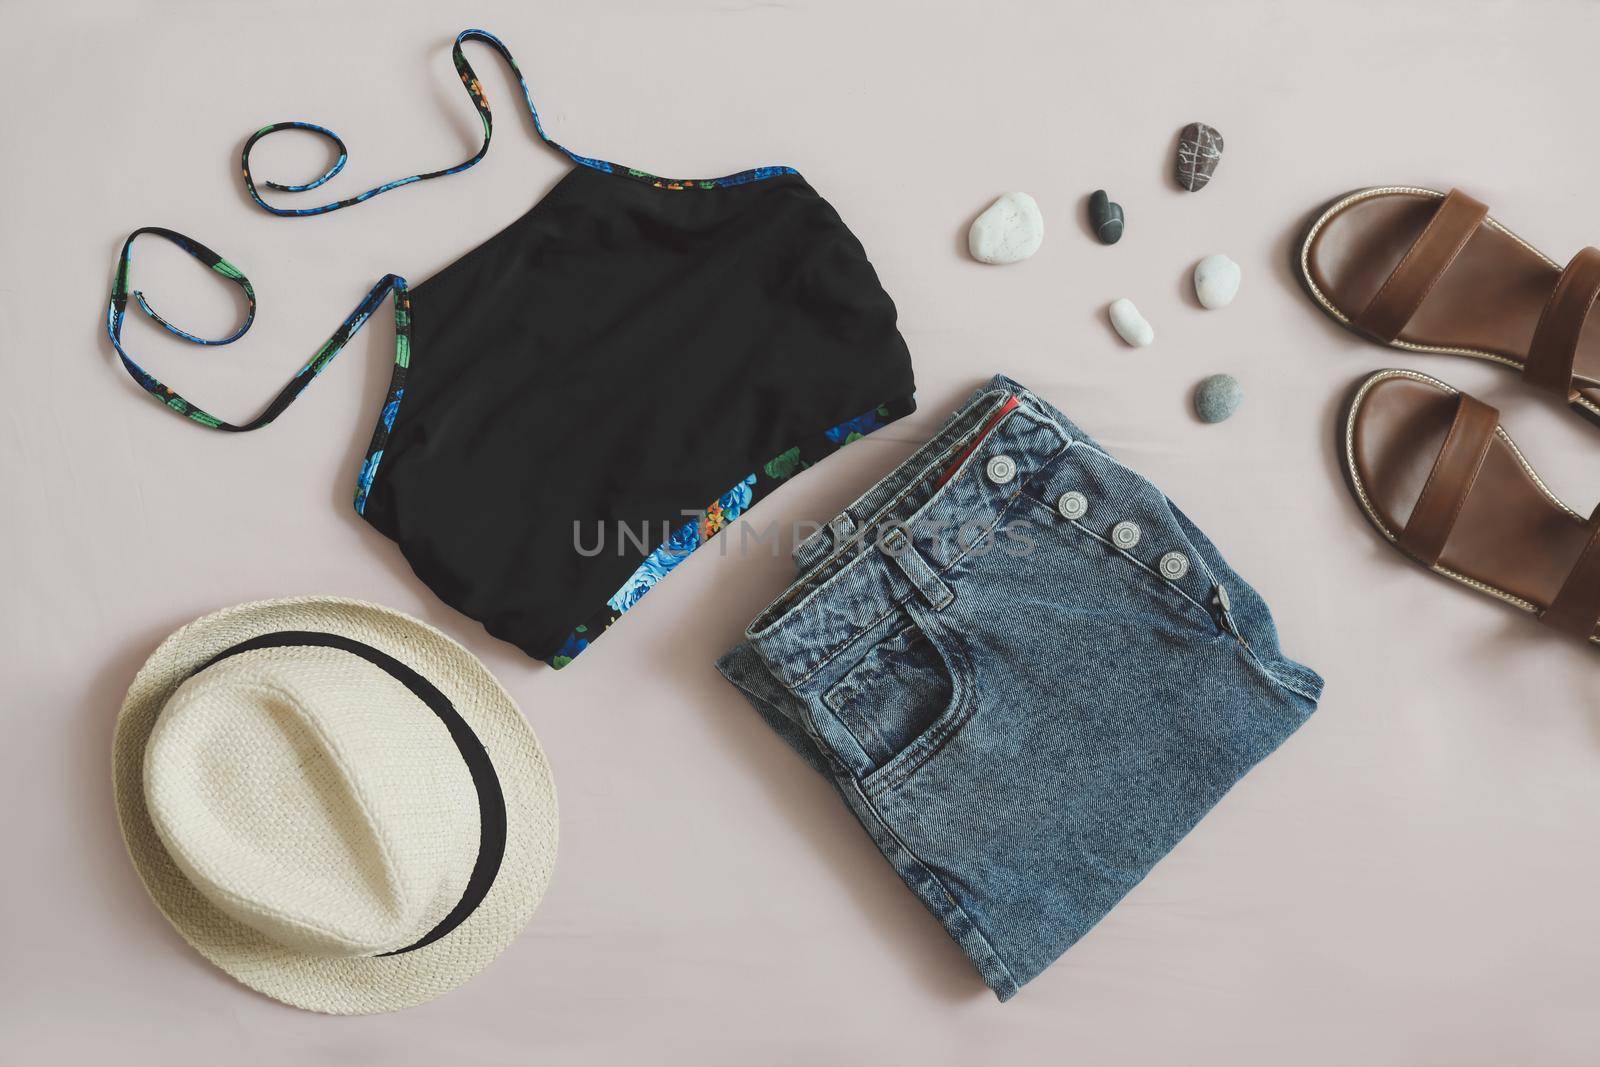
{"points": [[585, 398]]}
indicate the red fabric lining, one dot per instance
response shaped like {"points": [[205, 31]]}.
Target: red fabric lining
{"points": [[994, 420]]}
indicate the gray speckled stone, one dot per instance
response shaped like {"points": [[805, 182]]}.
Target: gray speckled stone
{"points": [[1105, 215], [1217, 397]]}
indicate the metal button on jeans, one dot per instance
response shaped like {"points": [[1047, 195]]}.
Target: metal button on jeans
{"points": [[1125, 534], [1001, 469], [1173, 565], [1073, 505]]}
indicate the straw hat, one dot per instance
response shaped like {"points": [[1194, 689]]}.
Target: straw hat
{"points": [[335, 803]]}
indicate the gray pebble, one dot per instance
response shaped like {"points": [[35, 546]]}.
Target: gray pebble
{"points": [[1105, 215], [1217, 397]]}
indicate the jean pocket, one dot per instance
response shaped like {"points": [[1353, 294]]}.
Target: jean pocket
{"points": [[904, 699], [897, 691]]}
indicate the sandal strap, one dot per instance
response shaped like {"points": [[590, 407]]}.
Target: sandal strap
{"points": [[1576, 609], [1447, 233], [1454, 473], [1555, 342]]}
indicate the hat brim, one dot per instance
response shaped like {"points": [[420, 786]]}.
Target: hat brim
{"points": [[360, 985]]}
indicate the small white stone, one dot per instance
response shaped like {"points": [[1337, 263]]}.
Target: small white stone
{"points": [[1216, 281], [1009, 230], [1129, 324]]}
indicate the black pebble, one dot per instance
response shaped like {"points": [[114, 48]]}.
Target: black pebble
{"points": [[1105, 215]]}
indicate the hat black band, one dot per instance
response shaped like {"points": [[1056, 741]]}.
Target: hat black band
{"points": [[491, 801]]}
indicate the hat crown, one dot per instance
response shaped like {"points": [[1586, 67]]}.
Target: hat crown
{"points": [[311, 795]]}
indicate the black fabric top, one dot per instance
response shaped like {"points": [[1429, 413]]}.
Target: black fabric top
{"points": [[624, 354], [590, 395]]}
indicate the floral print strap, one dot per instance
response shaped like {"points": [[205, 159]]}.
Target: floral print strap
{"points": [[469, 79], [116, 314]]}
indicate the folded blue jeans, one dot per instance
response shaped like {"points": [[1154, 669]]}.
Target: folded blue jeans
{"points": [[1028, 674]]}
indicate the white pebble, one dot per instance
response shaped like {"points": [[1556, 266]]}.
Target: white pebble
{"points": [[1129, 324], [1009, 230], [1216, 281]]}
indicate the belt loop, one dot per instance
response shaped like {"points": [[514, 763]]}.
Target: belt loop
{"points": [[823, 541], [898, 547], [811, 548]]}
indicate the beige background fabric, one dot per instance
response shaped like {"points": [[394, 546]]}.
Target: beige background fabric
{"points": [[1410, 880]]}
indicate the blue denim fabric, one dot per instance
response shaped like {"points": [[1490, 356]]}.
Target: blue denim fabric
{"points": [[1024, 716]]}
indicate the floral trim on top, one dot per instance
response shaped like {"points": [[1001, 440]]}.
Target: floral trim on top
{"points": [[469, 79], [716, 517], [391, 404], [380, 436], [744, 177]]}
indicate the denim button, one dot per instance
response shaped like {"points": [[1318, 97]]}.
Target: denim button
{"points": [[1125, 534], [1173, 565], [1224, 601], [1073, 505], [1001, 470]]}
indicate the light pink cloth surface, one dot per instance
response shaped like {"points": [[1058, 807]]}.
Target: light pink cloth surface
{"points": [[1411, 879]]}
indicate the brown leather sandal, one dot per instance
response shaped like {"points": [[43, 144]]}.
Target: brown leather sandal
{"points": [[1442, 480], [1429, 272]]}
